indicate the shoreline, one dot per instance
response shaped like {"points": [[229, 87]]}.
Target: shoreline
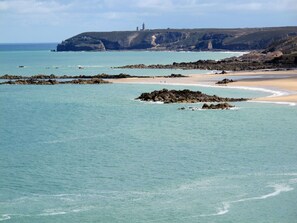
{"points": [[281, 84]]}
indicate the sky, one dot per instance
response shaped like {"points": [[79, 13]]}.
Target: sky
{"points": [[30, 21]]}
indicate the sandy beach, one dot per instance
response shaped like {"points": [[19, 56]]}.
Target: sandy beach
{"points": [[283, 82]]}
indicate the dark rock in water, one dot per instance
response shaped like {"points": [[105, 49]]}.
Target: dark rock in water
{"points": [[100, 76], [7, 76], [88, 81], [175, 76], [54, 82], [43, 76], [32, 82], [182, 108], [114, 76], [222, 106], [183, 96], [223, 72], [225, 81]]}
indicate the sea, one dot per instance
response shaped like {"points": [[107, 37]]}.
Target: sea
{"points": [[92, 153]]}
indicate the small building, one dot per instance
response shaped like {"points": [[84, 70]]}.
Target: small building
{"points": [[209, 45]]}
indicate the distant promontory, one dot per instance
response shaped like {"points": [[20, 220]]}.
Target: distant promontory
{"points": [[243, 39]]}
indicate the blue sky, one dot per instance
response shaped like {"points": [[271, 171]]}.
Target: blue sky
{"points": [[56, 20]]}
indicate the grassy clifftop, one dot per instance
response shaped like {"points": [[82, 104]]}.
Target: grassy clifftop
{"points": [[178, 39]]}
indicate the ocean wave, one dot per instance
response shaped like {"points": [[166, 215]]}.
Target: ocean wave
{"points": [[69, 139], [53, 213], [61, 211], [5, 217], [226, 205], [285, 174], [149, 102], [85, 66], [276, 102]]}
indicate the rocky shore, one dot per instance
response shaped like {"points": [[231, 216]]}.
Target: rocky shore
{"points": [[280, 54], [231, 64], [184, 96]]}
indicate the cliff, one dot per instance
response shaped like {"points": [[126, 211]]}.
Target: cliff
{"points": [[178, 39]]}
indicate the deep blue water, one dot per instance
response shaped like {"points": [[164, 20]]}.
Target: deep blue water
{"points": [[91, 153], [27, 46]]}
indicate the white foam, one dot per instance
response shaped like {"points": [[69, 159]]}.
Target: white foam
{"points": [[293, 181], [276, 102], [93, 66], [278, 189], [53, 213], [149, 102], [5, 217], [224, 209]]}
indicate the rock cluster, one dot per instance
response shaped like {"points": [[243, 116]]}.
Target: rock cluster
{"points": [[219, 106], [175, 76], [54, 82], [183, 96], [86, 81], [222, 106], [101, 76], [231, 64], [225, 81], [31, 82]]}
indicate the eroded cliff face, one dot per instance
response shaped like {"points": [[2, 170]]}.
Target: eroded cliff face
{"points": [[174, 39]]}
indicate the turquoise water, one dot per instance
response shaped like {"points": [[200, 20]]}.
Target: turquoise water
{"points": [[94, 154], [66, 63]]}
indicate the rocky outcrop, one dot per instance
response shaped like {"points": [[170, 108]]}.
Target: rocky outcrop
{"points": [[225, 81], [222, 106], [250, 61], [31, 82], [183, 96], [285, 45], [87, 45], [9, 77], [85, 81], [54, 82], [100, 76], [178, 39], [175, 76]]}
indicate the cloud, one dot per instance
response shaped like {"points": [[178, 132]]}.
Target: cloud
{"points": [[122, 6], [32, 6], [156, 4], [3, 6], [55, 17]]}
